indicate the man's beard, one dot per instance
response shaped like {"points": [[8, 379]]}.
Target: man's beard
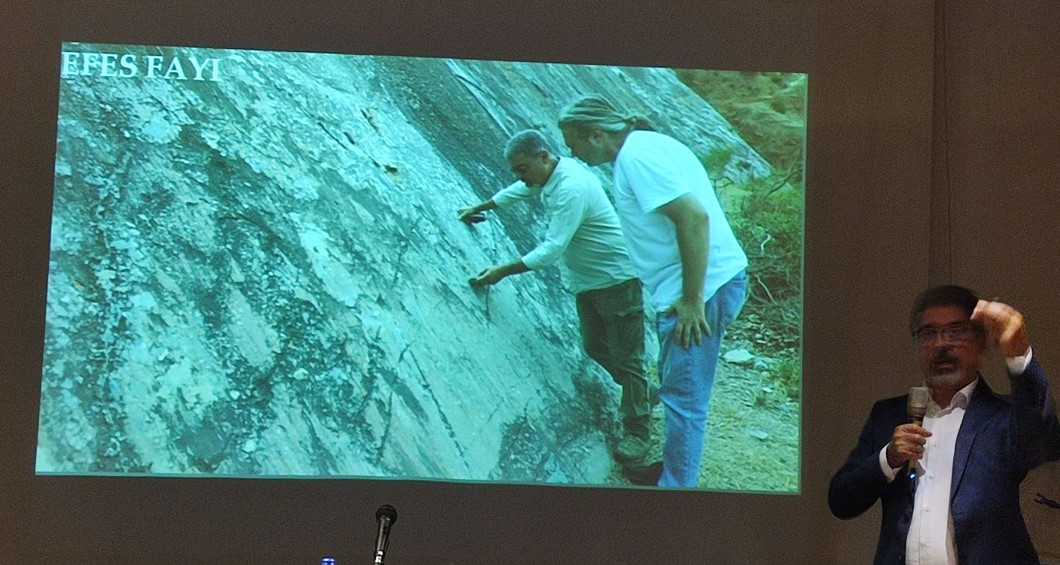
{"points": [[944, 380], [944, 371]]}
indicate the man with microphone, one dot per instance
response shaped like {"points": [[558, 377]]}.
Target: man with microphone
{"points": [[959, 502]]}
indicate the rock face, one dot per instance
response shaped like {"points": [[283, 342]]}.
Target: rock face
{"points": [[262, 272]]}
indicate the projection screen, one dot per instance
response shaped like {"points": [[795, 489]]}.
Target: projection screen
{"points": [[257, 269]]}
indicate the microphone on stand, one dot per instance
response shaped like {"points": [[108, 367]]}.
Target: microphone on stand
{"points": [[919, 396], [385, 516]]}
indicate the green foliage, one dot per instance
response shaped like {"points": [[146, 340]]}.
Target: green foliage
{"points": [[769, 225], [787, 377], [716, 159], [767, 109]]}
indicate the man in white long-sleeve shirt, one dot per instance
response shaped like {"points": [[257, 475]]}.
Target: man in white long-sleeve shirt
{"points": [[583, 231]]}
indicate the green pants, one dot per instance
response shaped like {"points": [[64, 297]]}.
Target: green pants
{"points": [[612, 328]]}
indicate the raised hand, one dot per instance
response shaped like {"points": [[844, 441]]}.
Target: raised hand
{"points": [[1004, 325]]}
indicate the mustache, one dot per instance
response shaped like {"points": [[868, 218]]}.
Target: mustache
{"points": [[943, 356]]}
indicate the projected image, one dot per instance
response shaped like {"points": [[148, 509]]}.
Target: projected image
{"points": [[276, 264]]}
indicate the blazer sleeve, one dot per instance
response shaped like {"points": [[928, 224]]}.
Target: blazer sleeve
{"points": [[1036, 425], [860, 482]]}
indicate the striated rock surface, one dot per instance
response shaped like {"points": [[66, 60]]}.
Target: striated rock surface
{"points": [[264, 274]]}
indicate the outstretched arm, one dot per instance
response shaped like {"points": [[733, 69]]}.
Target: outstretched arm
{"points": [[566, 212], [473, 214], [494, 274], [507, 196]]}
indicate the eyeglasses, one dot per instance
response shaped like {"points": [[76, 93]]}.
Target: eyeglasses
{"points": [[953, 334]]}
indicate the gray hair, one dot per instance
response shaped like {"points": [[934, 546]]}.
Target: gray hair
{"points": [[596, 111], [528, 142], [943, 295]]}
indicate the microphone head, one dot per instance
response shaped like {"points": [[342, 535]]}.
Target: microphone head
{"points": [[387, 511], [919, 396]]}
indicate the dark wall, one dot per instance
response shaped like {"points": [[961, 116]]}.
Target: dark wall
{"points": [[998, 176], [871, 221]]}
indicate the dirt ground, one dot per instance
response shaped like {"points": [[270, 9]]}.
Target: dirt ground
{"points": [[753, 430]]}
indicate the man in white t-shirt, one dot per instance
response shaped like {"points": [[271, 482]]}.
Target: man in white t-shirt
{"points": [[685, 252], [584, 231]]}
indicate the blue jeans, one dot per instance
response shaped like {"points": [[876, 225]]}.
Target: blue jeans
{"points": [[687, 376]]}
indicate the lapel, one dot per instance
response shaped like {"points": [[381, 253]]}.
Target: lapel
{"points": [[981, 408]]}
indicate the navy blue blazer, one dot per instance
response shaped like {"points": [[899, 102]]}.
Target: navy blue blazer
{"points": [[1001, 439]]}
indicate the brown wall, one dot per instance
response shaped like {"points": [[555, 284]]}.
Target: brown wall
{"points": [[899, 194], [999, 174]]}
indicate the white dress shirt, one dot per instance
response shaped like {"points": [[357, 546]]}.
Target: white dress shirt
{"points": [[583, 228], [930, 539]]}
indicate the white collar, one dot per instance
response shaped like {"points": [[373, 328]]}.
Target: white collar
{"points": [[960, 400]]}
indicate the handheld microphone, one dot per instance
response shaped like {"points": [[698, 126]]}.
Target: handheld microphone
{"points": [[386, 516], [917, 408]]}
